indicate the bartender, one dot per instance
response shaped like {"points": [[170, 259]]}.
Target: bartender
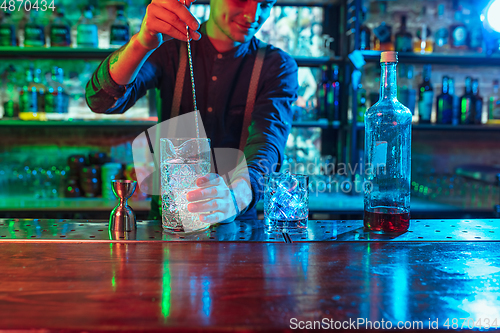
{"points": [[225, 54]]}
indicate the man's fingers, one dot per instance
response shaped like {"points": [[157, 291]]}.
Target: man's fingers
{"points": [[209, 180], [164, 20], [223, 205], [183, 13]]}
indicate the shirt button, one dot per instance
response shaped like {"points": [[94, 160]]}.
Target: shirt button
{"points": [[214, 78], [210, 109], [219, 56]]}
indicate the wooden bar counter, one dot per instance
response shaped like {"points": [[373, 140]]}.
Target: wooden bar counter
{"points": [[433, 276]]}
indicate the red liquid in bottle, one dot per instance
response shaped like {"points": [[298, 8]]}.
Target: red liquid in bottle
{"points": [[386, 219]]}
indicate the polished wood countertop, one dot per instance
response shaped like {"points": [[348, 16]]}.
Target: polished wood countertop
{"points": [[188, 286]]}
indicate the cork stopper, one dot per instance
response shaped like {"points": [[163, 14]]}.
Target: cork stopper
{"points": [[389, 56]]}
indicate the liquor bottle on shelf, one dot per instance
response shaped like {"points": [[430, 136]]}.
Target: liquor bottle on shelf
{"points": [[324, 92], [9, 95], [56, 98], [467, 112], [334, 95], [494, 105], [444, 104], [387, 156], [361, 101], [34, 34], [60, 30], [87, 29], [382, 40], [31, 96], [403, 37], [478, 102], [407, 94], [475, 41], [441, 34], [365, 34], [7, 30], [458, 31], [425, 97], [423, 42], [120, 29], [456, 101]]}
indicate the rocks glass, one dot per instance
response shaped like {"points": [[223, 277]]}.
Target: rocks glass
{"points": [[286, 202]]}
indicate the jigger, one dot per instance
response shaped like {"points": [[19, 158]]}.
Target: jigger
{"points": [[122, 216]]}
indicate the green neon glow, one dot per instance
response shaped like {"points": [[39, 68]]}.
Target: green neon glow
{"points": [[166, 287]]}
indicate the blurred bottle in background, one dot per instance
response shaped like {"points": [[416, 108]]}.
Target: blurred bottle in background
{"points": [[456, 102], [31, 96], [334, 96], [120, 29], [60, 29], [478, 102], [444, 103], [423, 42], [34, 34], [467, 114], [56, 98], [86, 35], [383, 33], [458, 31], [425, 97], [403, 37], [7, 30], [494, 105], [325, 93], [441, 31], [365, 34]]}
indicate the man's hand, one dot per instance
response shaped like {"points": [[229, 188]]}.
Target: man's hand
{"points": [[220, 206], [167, 19]]}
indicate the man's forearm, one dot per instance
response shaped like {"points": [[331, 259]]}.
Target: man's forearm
{"points": [[125, 63]]}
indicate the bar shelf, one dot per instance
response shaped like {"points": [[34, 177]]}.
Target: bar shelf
{"points": [[468, 59], [15, 52]]}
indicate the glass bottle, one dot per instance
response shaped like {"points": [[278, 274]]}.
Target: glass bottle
{"points": [[387, 156], [444, 104], [87, 30], [494, 105], [423, 42], [323, 91], [119, 33], [383, 33], [475, 40], [425, 97], [478, 102], [365, 33], [456, 101], [334, 95], [60, 30], [56, 98], [34, 34], [361, 101], [31, 97], [467, 115], [458, 32], [7, 30], [403, 37], [442, 34]]}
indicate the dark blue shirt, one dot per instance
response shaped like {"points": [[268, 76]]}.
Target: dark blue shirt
{"points": [[222, 81]]}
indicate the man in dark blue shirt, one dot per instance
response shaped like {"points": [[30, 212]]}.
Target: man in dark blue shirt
{"points": [[223, 57]]}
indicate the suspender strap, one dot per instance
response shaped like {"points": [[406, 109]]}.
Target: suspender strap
{"points": [[252, 93], [179, 81], [252, 90]]}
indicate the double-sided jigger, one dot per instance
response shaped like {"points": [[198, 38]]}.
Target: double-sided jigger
{"points": [[122, 217]]}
